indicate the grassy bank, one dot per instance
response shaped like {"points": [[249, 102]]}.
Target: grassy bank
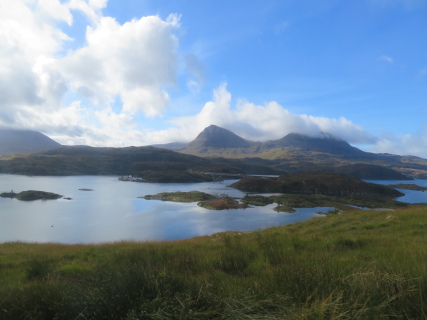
{"points": [[360, 265]]}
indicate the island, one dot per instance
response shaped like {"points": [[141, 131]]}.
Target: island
{"points": [[31, 195], [407, 186], [205, 200], [179, 196], [324, 183], [222, 204], [319, 189]]}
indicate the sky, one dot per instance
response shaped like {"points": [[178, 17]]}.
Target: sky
{"points": [[139, 72]]}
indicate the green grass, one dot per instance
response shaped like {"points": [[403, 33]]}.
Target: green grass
{"points": [[358, 265], [180, 196]]}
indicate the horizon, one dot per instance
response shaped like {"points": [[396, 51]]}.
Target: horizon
{"points": [[122, 73]]}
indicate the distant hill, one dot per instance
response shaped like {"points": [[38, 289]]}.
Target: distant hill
{"points": [[24, 141], [137, 161], [295, 153], [216, 137]]}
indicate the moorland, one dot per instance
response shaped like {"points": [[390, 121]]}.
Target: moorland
{"points": [[358, 265]]}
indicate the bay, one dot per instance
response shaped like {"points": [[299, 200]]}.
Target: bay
{"points": [[113, 212], [411, 196]]}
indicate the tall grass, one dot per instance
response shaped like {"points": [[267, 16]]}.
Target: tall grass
{"points": [[355, 266]]}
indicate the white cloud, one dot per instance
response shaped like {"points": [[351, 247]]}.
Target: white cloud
{"points": [[126, 67], [92, 8], [261, 122], [408, 144], [386, 58], [138, 57], [29, 40], [194, 67]]}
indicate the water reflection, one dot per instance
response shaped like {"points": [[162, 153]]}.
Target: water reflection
{"points": [[113, 212]]}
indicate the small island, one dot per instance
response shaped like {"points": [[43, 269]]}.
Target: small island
{"points": [[341, 192], [222, 204], [205, 200], [31, 195], [179, 196], [407, 186]]}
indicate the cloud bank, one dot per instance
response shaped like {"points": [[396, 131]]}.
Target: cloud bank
{"points": [[264, 122]]}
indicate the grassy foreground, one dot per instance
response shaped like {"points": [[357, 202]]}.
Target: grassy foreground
{"points": [[360, 265]]}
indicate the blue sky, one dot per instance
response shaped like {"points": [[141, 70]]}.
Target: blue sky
{"points": [[136, 72]]}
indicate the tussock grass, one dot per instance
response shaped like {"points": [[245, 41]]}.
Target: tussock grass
{"points": [[360, 265]]}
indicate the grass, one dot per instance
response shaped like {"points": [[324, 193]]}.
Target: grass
{"points": [[180, 196], [358, 265], [222, 204]]}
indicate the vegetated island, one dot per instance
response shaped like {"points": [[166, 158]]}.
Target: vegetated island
{"points": [[407, 186], [179, 196], [31, 195], [297, 191], [315, 183], [320, 189], [205, 200], [222, 204]]}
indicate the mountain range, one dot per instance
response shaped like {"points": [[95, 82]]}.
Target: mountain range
{"points": [[220, 141], [214, 149]]}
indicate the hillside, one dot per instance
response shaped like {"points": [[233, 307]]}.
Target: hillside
{"points": [[314, 183], [137, 161], [24, 141]]}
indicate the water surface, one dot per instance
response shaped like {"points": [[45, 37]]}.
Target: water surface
{"points": [[113, 211]]}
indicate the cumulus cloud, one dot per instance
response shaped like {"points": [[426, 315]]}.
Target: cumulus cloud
{"points": [[262, 122], [132, 61], [71, 94]]}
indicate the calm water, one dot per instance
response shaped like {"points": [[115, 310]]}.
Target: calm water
{"points": [[112, 212], [410, 195]]}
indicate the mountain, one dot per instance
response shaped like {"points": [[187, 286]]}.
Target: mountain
{"points": [[296, 153], [216, 137], [325, 144], [217, 141], [24, 141]]}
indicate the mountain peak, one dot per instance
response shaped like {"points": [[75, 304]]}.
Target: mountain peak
{"points": [[217, 137], [24, 141], [325, 143]]}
